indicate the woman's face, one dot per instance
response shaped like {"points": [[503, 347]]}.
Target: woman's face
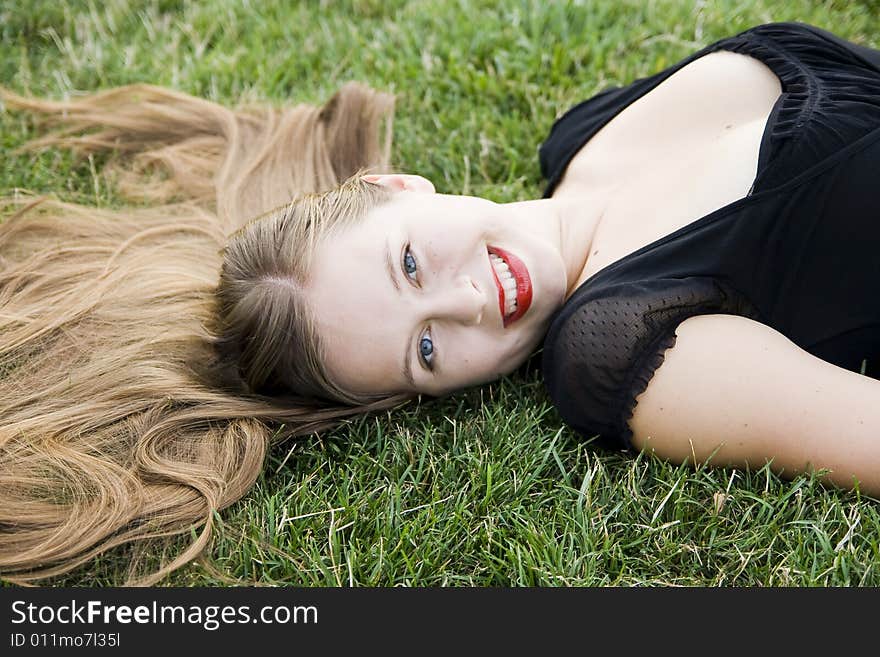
{"points": [[407, 299]]}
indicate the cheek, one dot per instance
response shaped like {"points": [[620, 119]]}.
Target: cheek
{"points": [[451, 241], [480, 356], [444, 249]]}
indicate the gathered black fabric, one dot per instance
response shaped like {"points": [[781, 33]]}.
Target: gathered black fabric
{"points": [[800, 252]]}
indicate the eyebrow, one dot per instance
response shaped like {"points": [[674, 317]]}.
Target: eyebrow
{"points": [[392, 274]]}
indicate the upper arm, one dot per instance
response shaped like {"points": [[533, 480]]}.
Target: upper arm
{"points": [[737, 386]]}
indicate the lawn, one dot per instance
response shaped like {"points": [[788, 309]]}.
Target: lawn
{"points": [[487, 487]]}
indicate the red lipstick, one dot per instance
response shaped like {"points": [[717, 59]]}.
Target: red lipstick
{"points": [[523, 284]]}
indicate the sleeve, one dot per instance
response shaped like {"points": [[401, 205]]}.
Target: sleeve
{"points": [[865, 55], [578, 119], [600, 354]]}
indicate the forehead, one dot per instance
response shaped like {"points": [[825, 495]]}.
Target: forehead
{"points": [[349, 292], [392, 210], [365, 240]]}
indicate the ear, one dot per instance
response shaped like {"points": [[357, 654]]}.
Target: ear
{"points": [[402, 181]]}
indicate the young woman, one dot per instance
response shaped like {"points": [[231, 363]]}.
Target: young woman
{"points": [[699, 279]]}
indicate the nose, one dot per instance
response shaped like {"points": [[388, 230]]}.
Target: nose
{"points": [[460, 302]]}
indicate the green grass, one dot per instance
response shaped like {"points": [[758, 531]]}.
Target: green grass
{"points": [[487, 487]]}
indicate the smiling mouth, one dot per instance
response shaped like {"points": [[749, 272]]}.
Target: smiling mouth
{"points": [[514, 302]]}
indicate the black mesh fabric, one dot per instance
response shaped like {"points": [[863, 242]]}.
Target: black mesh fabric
{"points": [[604, 353], [798, 253]]}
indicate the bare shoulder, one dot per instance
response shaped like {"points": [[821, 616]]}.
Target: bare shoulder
{"points": [[731, 72], [718, 89], [686, 113], [739, 392]]}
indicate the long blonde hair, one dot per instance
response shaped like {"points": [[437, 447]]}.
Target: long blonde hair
{"points": [[150, 355]]}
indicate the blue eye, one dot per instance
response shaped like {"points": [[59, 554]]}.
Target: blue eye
{"points": [[426, 349], [409, 262], [426, 343]]}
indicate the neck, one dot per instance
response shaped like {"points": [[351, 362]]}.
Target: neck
{"points": [[569, 224]]}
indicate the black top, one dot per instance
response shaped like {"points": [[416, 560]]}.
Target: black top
{"points": [[800, 252]]}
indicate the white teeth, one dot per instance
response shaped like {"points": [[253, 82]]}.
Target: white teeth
{"points": [[508, 284]]}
